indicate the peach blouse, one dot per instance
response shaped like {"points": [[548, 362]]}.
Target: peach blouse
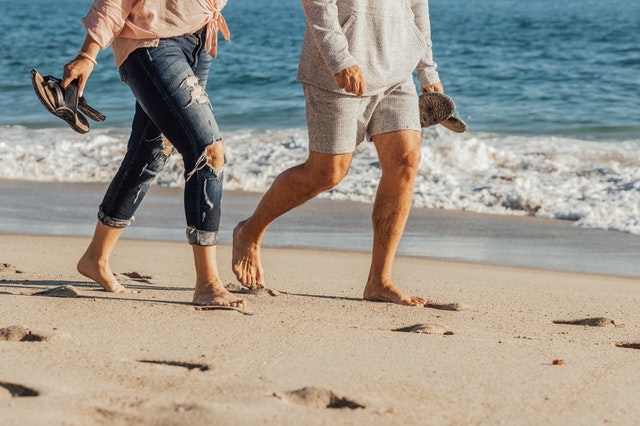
{"points": [[127, 25]]}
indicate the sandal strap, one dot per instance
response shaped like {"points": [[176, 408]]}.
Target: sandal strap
{"points": [[89, 111], [71, 96], [54, 84]]}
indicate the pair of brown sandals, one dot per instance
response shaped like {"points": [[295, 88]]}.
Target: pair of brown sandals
{"points": [[435, 108], [64, 103], [438, 108]]}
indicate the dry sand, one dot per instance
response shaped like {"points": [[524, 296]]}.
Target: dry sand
{"points": [[314, 353]]}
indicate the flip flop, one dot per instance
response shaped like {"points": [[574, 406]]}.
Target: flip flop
{"points": [[64, 103], [438, 108], [90, 112], [435, 107], [454, 124]]}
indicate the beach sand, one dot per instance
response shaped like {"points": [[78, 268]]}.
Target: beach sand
{"points": [[313, 352]]}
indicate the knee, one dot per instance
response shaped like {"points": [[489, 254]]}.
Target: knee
{"points": [[215, 155], [329, 178], [212, 157], [158, 156], [406, 166], [326, 176], [411, 160], [167, 147]]}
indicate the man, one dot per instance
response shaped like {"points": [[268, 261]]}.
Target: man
{"points": [[356, 67]]}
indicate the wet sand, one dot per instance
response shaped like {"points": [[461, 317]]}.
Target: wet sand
{"points": [[338, 225]]}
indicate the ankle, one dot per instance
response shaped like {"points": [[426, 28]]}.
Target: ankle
{"points": [[207, 285]]}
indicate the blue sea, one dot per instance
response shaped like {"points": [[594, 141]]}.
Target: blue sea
{"points": [[550, 91]]}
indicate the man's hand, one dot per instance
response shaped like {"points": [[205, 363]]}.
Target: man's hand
{"points": [[351, 80], [435, 87]]}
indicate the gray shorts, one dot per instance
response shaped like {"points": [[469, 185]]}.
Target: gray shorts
{"points": [[338, 123]]}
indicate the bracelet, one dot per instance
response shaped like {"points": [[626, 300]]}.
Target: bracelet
{"points": [[86, 56]]}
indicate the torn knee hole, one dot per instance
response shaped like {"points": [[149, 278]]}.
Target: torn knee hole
{"points": [[167, 147], [215, 155]]}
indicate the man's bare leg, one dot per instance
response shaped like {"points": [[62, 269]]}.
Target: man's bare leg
{"points": [[290, 189], [209, 288], [94, 263], [399, 155]]}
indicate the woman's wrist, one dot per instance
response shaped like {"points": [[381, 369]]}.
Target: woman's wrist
{"points": [[88, 57]]}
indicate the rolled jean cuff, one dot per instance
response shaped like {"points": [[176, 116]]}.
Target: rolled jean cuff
{"points": [[202, 238], [113, 222]]}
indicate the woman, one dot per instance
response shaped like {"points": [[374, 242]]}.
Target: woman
{"points": [[163, 52]]}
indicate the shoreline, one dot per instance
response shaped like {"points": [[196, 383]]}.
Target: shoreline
{"points": [[502, 240]]}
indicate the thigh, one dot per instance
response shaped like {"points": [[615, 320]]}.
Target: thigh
{"points": [[396, 110], [167, 88], [398, 149], [332, 121]]}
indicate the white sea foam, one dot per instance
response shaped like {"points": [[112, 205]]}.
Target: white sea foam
{"points": [[596, 184]]}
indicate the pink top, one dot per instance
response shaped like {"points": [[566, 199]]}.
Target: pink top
{"points": [[126, 25]]}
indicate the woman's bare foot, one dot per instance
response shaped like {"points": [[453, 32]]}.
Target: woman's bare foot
{"points": [[246, 259], [100, 272], [390, 293], [214, 294]]}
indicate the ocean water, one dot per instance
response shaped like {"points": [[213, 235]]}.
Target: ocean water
{"points": [[549, 90]]}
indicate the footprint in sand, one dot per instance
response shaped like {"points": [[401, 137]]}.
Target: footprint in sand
{"points": [[13, 390], [447, 306], [68, 291], [188, 365], [260, 291], [9, 269], [138, 277], [590, 322], [628, 345], [222, 308], [18, 333], [438, 329], [314, 397]]}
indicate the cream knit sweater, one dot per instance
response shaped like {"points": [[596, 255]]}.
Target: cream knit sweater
{"points": [[387, 39]]}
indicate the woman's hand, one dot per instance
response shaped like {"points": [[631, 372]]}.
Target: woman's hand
{"points": [[81, 67]]}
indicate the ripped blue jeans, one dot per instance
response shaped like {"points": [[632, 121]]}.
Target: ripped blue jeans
{"points": [[168, 82]]}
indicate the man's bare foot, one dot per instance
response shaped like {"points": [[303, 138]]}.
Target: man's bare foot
{"points": [[214, 294], [246, 259], [100, 272], [391, 294]]}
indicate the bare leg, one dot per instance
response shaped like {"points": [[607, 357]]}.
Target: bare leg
{"points": [[94, 263], [209, 288], [399, 154], [290, 189]]}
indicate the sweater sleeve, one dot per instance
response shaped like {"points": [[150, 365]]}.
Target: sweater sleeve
{"points": [[427, 68], [324, 26], [106, 19]]}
